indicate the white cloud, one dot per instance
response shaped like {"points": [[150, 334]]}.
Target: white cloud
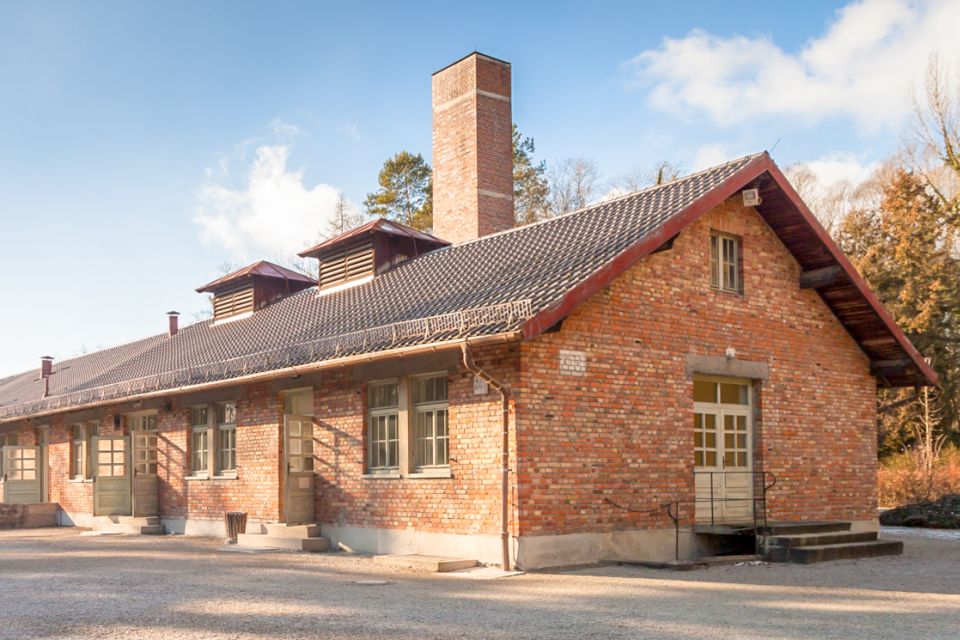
{"points": [[351, 130], [710, 155], [835, 168], [284, 129], [863, 66], [274, 214]]}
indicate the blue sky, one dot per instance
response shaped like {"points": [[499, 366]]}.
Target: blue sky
{"points": [[142, 145]]}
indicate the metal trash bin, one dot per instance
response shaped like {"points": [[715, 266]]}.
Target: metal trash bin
{"points": [[236, 524]]}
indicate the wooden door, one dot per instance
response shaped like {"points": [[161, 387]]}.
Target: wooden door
{"points": [[111, 488], [22, 475], [298, 456], [146, 502], [723, 451]]}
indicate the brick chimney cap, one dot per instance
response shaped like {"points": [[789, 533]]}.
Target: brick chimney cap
{"points": [[173, 313], [472, 53], [50, 358]]}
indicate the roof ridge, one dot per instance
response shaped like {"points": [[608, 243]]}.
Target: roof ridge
{"points": [[632, 194]]}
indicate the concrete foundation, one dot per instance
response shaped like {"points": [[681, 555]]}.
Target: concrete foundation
{"points": [[483, 548]]}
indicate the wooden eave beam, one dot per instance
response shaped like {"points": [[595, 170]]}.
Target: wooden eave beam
{"points": [[823, 277], [886, 368]]}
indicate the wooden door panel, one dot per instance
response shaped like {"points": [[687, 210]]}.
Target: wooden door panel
{"points": [[22, 473]]}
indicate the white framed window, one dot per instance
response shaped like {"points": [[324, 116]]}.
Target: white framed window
{"points": [[226, 415], [199, 442], [78, 457], [726, 261], [8, 440], [430, 430], [383, 427]]}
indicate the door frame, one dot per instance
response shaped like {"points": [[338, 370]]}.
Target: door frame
{"points": [[720, 510]]}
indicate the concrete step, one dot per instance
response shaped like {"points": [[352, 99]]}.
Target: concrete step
{"points": [[797, 528], [432, 564], [143, 521], [291, 531], [264, 541], [816, 539], [825, 552]]}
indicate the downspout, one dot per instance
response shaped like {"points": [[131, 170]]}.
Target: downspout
{"points": [[504, 392]]}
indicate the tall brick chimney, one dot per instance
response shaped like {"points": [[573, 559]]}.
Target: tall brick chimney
{"points": [[472, 149]]}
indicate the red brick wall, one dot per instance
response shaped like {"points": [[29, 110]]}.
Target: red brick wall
{"points": [[466, 503], [256, 488], [472, 149], [623, 432]]}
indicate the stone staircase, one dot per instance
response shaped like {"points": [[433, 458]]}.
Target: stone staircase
{"points": [[128, 525], [301, 537], [808, 542]]}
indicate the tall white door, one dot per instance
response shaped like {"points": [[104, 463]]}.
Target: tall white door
{"points": [[723, 451], [298, 455]]}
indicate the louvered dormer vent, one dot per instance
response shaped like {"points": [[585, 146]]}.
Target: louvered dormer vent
{"points": [[241, 293], [233, 302], [350, 262], [360, 254]]}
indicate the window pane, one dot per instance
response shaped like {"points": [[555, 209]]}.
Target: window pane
{"points": [[382, 395], [711, 440], [731, 393], [704, 391], [711, 459], [226, 413], [430, 390], [198, 416]]}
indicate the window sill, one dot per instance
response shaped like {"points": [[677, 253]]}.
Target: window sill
{"points": [[439, 472], [80, 480], [197, 478], [395, 475]]}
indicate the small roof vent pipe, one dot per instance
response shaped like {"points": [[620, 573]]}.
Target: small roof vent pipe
{"points": [[46, 369], [173, 322]]}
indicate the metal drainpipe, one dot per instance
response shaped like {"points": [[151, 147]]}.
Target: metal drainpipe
{"points": [[504, 391]]}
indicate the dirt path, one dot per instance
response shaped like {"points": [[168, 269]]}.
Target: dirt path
{"points": [[66, 586]]}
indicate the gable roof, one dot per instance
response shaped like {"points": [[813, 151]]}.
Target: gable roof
{"points": [[381, 225], [261, 269], [518, 283]]}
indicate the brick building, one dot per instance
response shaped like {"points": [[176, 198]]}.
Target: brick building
{"points": [[627, 381]]}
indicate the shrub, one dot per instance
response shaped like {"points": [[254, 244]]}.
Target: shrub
{"points": [[905, 479]]}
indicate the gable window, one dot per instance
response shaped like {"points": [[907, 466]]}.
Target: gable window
{"points": [[725, 262], [199, 447], [383, 402], [430, 435], [226, 437]]}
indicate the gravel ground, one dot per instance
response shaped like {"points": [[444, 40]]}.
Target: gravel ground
{"points": [[54, 583]]}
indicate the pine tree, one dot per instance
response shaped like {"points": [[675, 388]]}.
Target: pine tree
{"points": [[906, 250], [406, 192], [530, 186]]}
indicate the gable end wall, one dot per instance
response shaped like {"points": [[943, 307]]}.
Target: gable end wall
{"points": [[622, 432]]}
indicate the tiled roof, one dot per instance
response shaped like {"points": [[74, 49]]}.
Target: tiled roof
{"points": [[486, 286]]}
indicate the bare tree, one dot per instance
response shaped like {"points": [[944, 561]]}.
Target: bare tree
{"points": [[346, 216], [662, 172], [935, 149], [574, 184]]}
